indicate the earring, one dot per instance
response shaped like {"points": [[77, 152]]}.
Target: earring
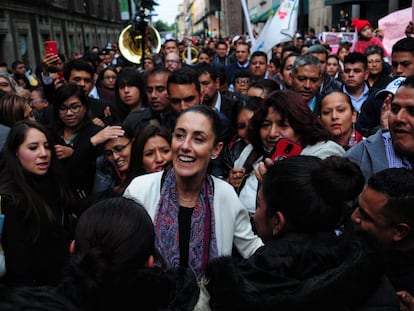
{"points": [[213, 157]]}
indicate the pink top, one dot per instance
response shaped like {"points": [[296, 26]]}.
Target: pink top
{"points": [[362, 45]]}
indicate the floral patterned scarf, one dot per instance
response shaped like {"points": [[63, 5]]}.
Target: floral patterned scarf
{"points": [[203, 243]]}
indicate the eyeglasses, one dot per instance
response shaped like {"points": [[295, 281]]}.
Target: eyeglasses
{"points": [[245, 81], [110, 77], [117, 149], [75, 108]]}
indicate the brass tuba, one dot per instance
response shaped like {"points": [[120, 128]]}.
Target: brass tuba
{"points": [[130, 43], [194, 54]]}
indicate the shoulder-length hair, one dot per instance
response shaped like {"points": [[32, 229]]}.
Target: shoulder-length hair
{"points": [[129, 76], [15, 180], [293, 109]]}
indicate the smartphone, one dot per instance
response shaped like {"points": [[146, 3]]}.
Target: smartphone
{"points": [[51, 47], [285, 148]]}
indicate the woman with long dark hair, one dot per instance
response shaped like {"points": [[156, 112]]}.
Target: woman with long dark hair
{"points": [[37, 207]]}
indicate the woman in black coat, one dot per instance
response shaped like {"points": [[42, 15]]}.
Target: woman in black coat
{"points": [[37, 208], [305, 264]]}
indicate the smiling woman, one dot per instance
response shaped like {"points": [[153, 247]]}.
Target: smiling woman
{"points": [[283, 114], [188, 206]]}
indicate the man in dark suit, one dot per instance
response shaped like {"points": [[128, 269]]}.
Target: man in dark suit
{"points": [[210, 94]]}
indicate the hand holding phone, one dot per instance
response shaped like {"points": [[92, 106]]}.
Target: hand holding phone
{"points": [[285, 148], [51, 47]]}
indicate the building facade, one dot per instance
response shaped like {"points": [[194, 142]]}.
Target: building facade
{"points": [[76, 25], [226, 16]]}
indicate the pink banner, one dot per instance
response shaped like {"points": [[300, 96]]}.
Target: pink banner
{"points": [[394, 26]]}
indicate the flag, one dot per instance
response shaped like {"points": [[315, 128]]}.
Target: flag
{"points": [[281, 28]]}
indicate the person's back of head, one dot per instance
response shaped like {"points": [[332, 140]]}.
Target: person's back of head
{"points": [[114, 240], [13, 108], [311, 193]]}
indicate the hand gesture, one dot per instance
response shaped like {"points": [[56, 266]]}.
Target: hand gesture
{"points": [[109, 132], [235, 176], [261, 170], [406, 301], [385, 111], [98, 122]]}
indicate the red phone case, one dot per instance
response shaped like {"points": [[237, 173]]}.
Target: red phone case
{"points": [[285, 148], [51, 47]]}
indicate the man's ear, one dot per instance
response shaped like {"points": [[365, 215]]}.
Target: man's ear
{"points": [[217, 83], [72, 247], [401, 230], [279, 223]]}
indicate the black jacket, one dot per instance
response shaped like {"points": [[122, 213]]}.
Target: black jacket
{"points": [[302, 272]]}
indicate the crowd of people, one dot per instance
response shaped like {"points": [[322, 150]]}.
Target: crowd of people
{"points": [[240, 181]]}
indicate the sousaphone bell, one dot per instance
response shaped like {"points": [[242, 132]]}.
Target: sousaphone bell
{"points": [[131, 40]]}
